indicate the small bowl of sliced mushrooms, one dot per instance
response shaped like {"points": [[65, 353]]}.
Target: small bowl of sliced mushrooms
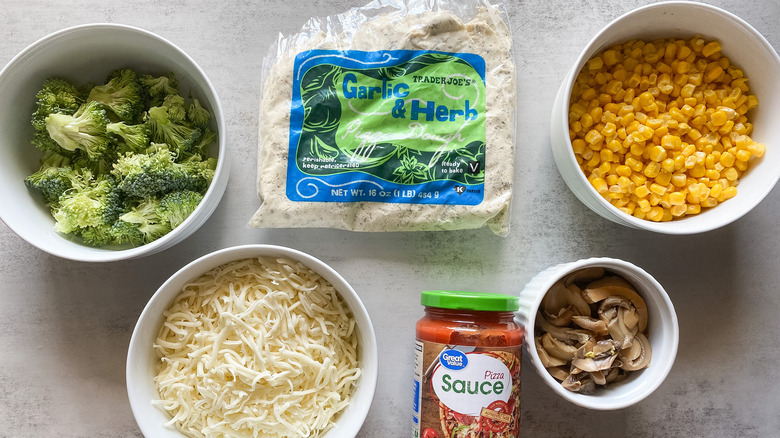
{"points": [[601, 332]]}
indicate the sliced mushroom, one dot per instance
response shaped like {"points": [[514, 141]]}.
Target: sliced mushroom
{"points": [[558, 349], [584, 276], [562, 302], [599, 378], [558, 373], [547, 360], [563, 334], [596, 326], [621, 319], [600, 290], [637, 356], [582, 383], [596, 356], [615, 375]]}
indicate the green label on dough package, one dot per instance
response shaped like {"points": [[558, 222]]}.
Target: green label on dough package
{"points": [[398, 126]]}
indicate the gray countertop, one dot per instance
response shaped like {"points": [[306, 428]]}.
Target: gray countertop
{"points": [[66, 325]]}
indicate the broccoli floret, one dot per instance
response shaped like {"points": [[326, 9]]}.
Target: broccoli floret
{"points": [[175, 207], [126, 233], [85, 130], [163, 128], [54, 178], [156, 173], [89, 203], [122, 94], [101, 235], [148, 223], [134, 138], [207, 139], [198, 116], [56, 96], [157, 87], [177, 110]]}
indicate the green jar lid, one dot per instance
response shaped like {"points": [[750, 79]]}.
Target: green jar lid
{"points": [[461, 300]]}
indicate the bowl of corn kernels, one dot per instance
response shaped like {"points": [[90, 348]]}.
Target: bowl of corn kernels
{"points": [[667, 114]]}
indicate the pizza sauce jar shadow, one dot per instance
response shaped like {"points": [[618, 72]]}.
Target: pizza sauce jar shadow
{"points": [[467, 366]]}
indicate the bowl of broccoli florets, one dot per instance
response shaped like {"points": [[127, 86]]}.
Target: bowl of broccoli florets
{"points": [[114, 144]]}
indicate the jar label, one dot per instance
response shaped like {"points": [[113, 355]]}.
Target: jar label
{"points": [[397, 126], [466, 391]]}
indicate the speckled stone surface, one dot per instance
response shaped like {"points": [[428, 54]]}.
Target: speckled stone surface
{"points": [[66, 325]]}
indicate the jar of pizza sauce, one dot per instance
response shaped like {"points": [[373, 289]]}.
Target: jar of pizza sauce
{"points": [[467, 366]]}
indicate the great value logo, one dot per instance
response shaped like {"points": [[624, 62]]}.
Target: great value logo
{"points": [[453, 359], [466, 383]]}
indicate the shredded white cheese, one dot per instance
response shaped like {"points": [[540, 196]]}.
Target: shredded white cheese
{"points": [[257, 348]]}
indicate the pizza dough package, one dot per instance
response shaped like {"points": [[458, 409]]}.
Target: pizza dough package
{"points": [[395, 116]]}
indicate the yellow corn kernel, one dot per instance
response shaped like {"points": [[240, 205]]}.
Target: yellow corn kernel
{"points": [[709, 202], [757, 149], [664, 178], [634, 164], [731, 174], [741, 165], [604, 167], [657, 153], [586, 120], [677, 198], [667, 165], [752, 102], [655, 214], [595, 64], [593, 137], [623, 170], [713, 73], [727, 159], [576, 111], [687, 91], [599, 184], [693, 209], [726, 128], [614, 145], [679, 180], [637, 178], [612, 179], [671, 142], [711, 48], [644, 205], [678, 210], [743, 155], [657, 189], [641, 191], [613, 87], [688, 150], [729, 192], [652, 169], [683, 52], [608, 130], [712, 174]]}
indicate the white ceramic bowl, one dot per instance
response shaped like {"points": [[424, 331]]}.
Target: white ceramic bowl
{"points": [[744, 46], [662, 333], [141, 357], [83, 54]]}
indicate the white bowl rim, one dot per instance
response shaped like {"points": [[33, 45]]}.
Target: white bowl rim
{"points": [[369, 377], [670, 228], [109, 255], [587, 400]]}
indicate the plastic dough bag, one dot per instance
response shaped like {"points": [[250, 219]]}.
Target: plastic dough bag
{"points": [[395, 116]]}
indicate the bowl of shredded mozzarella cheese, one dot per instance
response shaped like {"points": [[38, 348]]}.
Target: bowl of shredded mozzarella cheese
{"points": [[253, 340]]}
